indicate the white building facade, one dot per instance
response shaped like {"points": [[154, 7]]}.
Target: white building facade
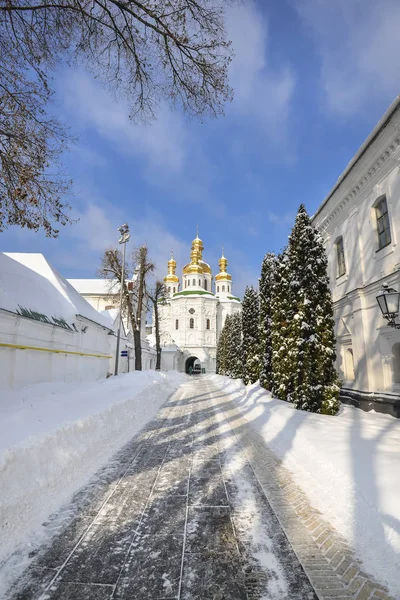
{"points": [[360, 225], [194, 312]]}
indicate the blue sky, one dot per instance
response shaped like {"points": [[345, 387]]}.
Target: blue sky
{"points": [[311, 79]]}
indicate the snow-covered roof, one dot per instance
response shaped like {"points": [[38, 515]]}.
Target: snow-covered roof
{"points": [[97, 287], [29, 284]]}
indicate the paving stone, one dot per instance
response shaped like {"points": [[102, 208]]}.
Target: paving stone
{"points": [[165, 516], [100, 556], [63, 543], [213, 576], [152, 569], [210, 528], [32, 584], [208, 491], [77, 591]]}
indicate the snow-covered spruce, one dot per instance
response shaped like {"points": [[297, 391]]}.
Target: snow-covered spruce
{"points": [[303, 337], [268, 271], [222, 349], [251, 337], [234, 347]]}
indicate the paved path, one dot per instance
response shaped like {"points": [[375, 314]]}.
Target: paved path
{"points": [[178, 513]]}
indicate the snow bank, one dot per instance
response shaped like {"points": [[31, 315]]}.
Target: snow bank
{"points": [[348, 465], [55, 436]]}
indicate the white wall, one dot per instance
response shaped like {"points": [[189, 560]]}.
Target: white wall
{"points": [[350, 213], [22, 367]]}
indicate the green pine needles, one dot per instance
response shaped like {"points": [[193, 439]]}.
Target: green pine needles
{"points": [[285, 335]]}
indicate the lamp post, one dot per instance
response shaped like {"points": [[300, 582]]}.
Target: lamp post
{"points": [[125, 235], [388, 301]]}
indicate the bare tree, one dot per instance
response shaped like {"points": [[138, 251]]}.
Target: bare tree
{"points": [[144, 267], [156, 296], [149, 51], [133, 301]]}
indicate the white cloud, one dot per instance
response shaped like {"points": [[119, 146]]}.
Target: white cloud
{"points": [[359, 46], [97, 229], [161, 143], [261, 92]]}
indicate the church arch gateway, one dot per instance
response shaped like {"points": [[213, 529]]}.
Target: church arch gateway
{"points": [[190, 362]]}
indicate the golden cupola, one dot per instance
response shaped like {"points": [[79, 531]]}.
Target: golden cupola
{"points": [[196, 264], [171, 277], [223, 265]]}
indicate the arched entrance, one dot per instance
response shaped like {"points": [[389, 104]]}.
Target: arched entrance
{"points": [[190, 363]]}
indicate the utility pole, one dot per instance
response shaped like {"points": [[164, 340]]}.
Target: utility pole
{"points": [[125, 235]]}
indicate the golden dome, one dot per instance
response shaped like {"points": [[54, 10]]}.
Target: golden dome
{"points": [[206, 267], [196, 264], [223, 264], [171, 277]]}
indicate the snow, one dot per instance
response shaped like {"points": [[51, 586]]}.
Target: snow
{"points": [[348, 465], [55, 436], [29, 281]]}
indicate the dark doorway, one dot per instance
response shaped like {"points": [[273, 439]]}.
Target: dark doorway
{"points": [[190, 363]]}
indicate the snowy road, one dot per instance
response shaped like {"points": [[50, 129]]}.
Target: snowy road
{"points": [[178, 513]]}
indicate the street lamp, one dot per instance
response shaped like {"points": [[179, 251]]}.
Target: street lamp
{"points": [[388, 301], [125, 235]]}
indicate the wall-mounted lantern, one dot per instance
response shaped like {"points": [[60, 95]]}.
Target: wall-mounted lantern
{"points": [[388, 301]]}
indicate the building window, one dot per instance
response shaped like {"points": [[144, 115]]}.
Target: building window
{"points": [[218, 288], [191, 324], [199, 283], [174, 290], [169, 290], [382, 221], [208, 324], [349, 364], [223, 288], [194, 282], [205, 284], [340, 260], [176, 324], [229, 289]]}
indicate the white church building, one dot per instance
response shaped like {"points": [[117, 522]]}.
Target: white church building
{"points": [[194, 312], [360, 224]]}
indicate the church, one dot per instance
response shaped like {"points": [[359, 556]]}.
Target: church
{"points": [[194, 311]]}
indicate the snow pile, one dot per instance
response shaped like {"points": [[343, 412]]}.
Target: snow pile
{"points": [[348, 465], [55, 436]]}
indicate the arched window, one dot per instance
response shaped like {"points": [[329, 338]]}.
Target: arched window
{"points": [[396, 363], [176, 324], [340, 259], [205, 284], [229, 289], [382, 223], [194, 282], [199, 283], [349, 364], [191, 323], [208, 324], [217, 288], [223, 288], [174, 290], [185, 283], [169, 290]]}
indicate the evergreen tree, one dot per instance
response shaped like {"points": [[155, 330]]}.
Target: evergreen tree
{"points": [[268, 271], [222, 349], [234, 347], [281, 315], [251, 339], [309, 341]]}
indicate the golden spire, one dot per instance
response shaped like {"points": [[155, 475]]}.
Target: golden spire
{"points": [[223, 265], [171, 277]]}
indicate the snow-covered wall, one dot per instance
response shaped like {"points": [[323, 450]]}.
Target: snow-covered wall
{"points": [[48, 332]]}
